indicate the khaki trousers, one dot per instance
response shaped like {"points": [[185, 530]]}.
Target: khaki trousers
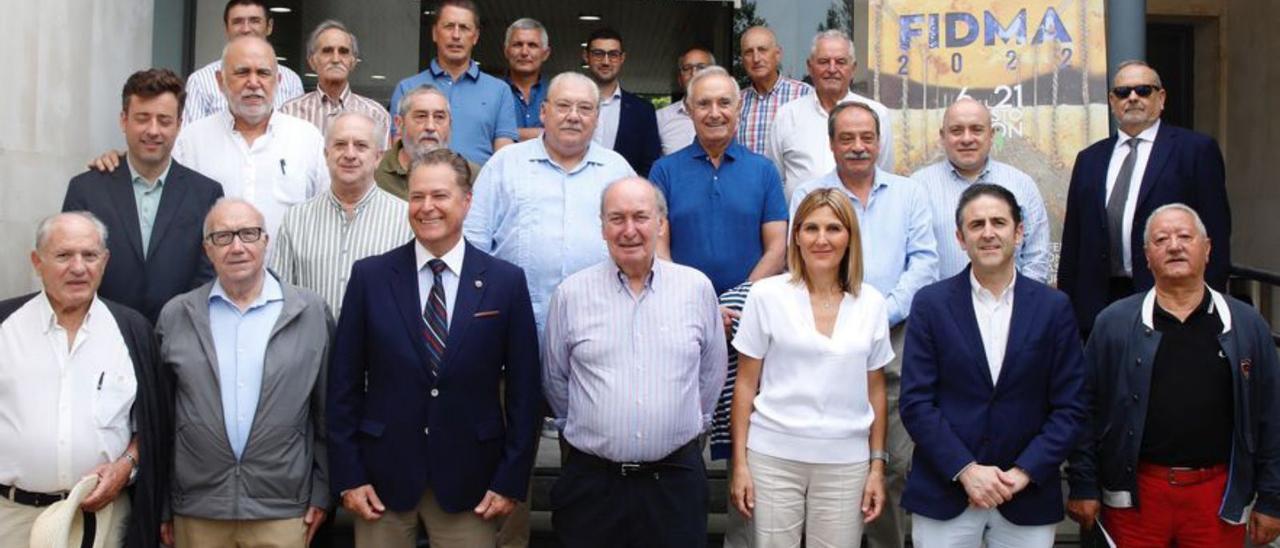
{"points": [[400, 529], [16, 521], [192, 532]]}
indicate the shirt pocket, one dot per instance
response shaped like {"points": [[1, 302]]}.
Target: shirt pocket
{"points": [[113, 400], [291, 188]]}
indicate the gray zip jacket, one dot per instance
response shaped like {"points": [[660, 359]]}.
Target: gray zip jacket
{"points": [[284, 468]]}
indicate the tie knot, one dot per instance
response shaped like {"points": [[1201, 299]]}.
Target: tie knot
{"points": [[1133, 143], [437, 266]]}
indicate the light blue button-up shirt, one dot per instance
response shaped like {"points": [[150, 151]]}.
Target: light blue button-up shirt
{"points": [[240, 341], [944, 185], [146, 197], [529, 211], [899, 253], [481, 106]]}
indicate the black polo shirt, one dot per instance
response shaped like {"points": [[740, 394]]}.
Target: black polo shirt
{"points": [[1189, 416]]}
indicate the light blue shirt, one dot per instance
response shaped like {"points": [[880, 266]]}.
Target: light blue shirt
{"points": [[944, 185], [240, 341], [899, 253], [529, 211], [481, 106], [146, 197]]}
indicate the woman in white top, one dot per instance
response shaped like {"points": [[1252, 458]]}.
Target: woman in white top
{"points": [[809, 405]]}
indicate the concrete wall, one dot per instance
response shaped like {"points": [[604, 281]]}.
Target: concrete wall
{"points": [[69, 59]]}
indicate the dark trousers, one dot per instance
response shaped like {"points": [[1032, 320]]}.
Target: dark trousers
{"points": [[598, 503]]}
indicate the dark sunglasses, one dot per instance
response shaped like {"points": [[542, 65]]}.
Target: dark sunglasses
{"points": [[1144, 90]]}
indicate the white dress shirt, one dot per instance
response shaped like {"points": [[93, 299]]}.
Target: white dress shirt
{"points": [[1146, 140], [610, 112], [63, 410], [283, 167], [994, 313], [675, 127], [799, 146], [450, 277]]}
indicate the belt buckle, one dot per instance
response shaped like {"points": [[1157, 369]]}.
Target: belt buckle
{"points": [[627, 468], [1173, 476]]}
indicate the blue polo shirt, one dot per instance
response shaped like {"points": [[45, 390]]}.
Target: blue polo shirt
{"points": [[482, 108], [528, 114], [715, 214]]}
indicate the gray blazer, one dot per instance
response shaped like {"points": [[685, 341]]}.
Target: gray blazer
{"points": [[284, 467]]}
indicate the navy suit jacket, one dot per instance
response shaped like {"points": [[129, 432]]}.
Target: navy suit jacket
{"points": [[407, 430], [1185, 167], [1031, 417], [175, 260], [638, 139]]}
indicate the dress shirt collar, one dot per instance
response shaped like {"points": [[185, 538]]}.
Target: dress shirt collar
{"points": [[473, 70], [363, 201], [49, 320], [1148, 135], [624, 283], [342, 97], [593, 156], [617, 94], [533, 90], [958, 177], [983, 295], [816, 102], [136, 177], [1218, 306], [451, 258], [271, 292], [751, 87], [732, 152], [229, 122]]}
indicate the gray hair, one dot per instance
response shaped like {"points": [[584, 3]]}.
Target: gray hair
{"points": [[833, 34], [527, 23], [1138, 63], [659, 199], [46, 226], [378, 130], [1146, 229], [572, 76], [711, 72], [329, 24], [407, 99], [227, 48], [226, 201], [694, 48], [846, 105]]}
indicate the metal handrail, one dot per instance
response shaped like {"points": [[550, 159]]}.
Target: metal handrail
{"points": [[1262, 277]]}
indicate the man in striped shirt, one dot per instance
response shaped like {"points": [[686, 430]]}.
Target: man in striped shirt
{"points": [[321, 238], [769, 90], [204, 95], [333, 52]]}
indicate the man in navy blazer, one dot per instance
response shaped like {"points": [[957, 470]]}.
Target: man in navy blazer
{"points": [[1102, 259], [434, 386], [152, 206], [627, 123], [992, 380]]}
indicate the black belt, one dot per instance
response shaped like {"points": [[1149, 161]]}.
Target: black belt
{"points": [[28, 498], [670, 462]]}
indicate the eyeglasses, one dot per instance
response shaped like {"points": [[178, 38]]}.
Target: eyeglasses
{"points": [[613, 54], [247, 235], [583, 109], [1144, 90], [686, 69]]}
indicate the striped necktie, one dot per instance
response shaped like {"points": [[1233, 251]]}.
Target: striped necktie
{"points": [[437, 317]]}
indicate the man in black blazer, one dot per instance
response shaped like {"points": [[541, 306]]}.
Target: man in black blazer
{"points": [[1102, 259], [628, 124], [152, 206]]}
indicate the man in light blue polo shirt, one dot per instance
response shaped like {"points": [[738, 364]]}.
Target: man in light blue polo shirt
{"points": [[484, 111], [720, 195]]}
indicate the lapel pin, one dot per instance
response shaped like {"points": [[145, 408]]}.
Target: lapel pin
{"points": [[479, 284]]}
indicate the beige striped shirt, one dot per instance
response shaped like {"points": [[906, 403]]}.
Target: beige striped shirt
{"points": [[317, 244], [319, 109]]}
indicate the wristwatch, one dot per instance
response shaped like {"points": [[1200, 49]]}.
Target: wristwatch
{"points": [[133, 466], [880, 455]]}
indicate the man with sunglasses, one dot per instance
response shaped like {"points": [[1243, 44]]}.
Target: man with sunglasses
{"points": [[628, 124], [1119, 181], [248, 354]]}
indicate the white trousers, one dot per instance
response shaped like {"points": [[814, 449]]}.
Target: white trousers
{"points": [[822, 501], [975, 525]]}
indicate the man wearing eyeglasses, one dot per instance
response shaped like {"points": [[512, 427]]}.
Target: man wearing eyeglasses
{"points": [[675, 127], [1119, 181], [248, 354], [627, 123]]}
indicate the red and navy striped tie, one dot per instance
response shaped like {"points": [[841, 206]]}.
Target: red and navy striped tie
{"points": [[436, 316]]}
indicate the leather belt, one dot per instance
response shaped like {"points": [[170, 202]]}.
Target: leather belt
{"points": [[633, 469], [1180, 475], [39, 500]]}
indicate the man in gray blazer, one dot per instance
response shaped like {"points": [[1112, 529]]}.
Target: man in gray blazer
{"points": [[248, 353]]}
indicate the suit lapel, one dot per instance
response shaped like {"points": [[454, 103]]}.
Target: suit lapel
{"points": [[121, 191], [1020, 319], [967, 321], [470, 288], [1160, 152], [170, 203], [1100, 164], [404, 289]]}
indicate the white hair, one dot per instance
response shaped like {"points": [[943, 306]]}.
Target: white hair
{"points": [[1146, 229], [571, 76], [46, 226], [527, 23], [711, 72], [832, 34]]}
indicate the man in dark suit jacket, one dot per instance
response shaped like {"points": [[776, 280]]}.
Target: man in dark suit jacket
{"points": [[153, 207], [434, 387], [992, 380], [1102, 259], [627, 123]]}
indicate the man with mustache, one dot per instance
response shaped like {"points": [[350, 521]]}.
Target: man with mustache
{"points": [[333, 53], [966, 136], [424, 123], [1118, 181], [798, 141], [761, 56], [485, 103], [204, 92], [527, 48], [1182, 436], [900, 256]]}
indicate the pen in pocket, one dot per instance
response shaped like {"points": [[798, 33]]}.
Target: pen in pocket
{"points": [[100, 377]]}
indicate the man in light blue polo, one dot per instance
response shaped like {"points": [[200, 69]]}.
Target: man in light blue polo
{"points": [[484, 111], [728, 217]]}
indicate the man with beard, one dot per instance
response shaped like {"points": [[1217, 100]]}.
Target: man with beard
{"points": [[333, 52], [423, 124], [627, 124], [204, 93]]}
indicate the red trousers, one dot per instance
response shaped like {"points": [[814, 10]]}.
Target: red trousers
{"points": [[1174, 506]]}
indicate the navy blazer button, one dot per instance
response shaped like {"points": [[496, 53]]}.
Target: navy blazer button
{"points": [[1135, 397], [426, 431], [435, 392]]}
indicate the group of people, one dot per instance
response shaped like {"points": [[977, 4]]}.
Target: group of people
{"points": [[275, 303]]}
